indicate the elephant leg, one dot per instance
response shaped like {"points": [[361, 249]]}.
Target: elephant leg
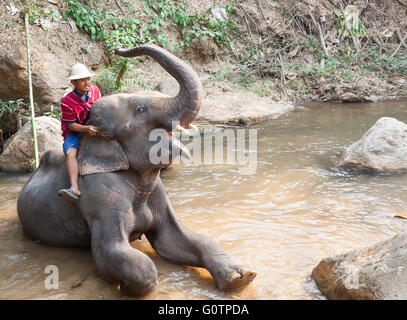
{"points": [[117, 260], [177, 244]]}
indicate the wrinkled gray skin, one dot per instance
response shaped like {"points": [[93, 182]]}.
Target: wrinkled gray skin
{"points": [[122, 196]]}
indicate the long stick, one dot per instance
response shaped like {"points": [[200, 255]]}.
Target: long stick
{"points": [[400, 38], [34, 131], [260, 9], [120, 7], [401, 43]]}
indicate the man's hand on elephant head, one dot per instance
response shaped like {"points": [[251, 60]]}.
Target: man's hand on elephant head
{"points": [[92, 130]]}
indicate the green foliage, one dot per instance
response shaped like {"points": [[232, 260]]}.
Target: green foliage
{"points": [[107, 77], [87, 18], [348, 22], [53, 113], [318, 52], [128, 32], [34, 12], [219, 76], [11, 113], [125, 37], [11, 107], [195, 28], [374, 60], [158, 16]]}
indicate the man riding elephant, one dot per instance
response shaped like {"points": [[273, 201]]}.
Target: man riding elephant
{"points": [[122, 193], [75, 107]]}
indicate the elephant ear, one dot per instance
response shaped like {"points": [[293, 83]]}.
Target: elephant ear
{"points": [[98, 155]]}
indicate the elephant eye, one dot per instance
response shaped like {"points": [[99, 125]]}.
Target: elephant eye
{"points": [[141, 109]]}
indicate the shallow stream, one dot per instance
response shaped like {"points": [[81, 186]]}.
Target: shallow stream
{"points": [[280, 221]]}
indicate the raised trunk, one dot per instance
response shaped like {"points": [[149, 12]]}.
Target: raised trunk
{"points": [[185, 106]]}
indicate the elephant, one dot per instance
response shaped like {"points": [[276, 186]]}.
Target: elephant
{"points": [[122, 195]]}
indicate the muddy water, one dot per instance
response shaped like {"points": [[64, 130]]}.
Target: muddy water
{"points": [[280, 221]]}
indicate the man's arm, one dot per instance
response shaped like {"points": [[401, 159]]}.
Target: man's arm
{"points": [[76, 127]]}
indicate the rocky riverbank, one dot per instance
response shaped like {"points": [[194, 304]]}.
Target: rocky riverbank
{"points": [[268, 52]]}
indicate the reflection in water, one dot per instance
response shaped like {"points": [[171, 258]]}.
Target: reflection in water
{"points": [[280, 222]]}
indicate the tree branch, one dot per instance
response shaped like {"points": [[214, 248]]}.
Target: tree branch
{"points": [[321, 35]]}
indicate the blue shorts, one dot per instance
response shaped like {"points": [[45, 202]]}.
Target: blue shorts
{"points": [[71, 141]]}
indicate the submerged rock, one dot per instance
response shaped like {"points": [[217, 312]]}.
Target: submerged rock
{"points": [[382, 149], [240, 109], [373, 99], [378, 272], [18, 155]]}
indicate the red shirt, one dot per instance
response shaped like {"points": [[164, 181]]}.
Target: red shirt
{"points": [[75, 109]]}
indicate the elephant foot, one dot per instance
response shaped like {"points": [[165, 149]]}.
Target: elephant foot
{"points": [[236, 281], [137, 289]]}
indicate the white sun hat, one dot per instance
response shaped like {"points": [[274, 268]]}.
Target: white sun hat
{"points": [[80, 71]]}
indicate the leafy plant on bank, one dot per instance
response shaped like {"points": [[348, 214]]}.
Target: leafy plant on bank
{"points": [[12, 106], [87, 18], [107, 77], [349, 24], [11, 114]]}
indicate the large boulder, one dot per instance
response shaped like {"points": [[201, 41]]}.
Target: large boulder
{"points": [[18, 155], [382, 149], [48, 81], [378, 272]]}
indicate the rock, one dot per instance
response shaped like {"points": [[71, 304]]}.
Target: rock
{"points": [[242, 108], [300, 108], [350, 97], [376, 272], [18, 155], [372, 99], [169, 87], [48, 81], [382, 149]]}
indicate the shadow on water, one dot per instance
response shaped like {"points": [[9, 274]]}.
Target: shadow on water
{"points": [[280, 221]]}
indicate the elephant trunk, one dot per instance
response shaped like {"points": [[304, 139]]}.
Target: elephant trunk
{"points": [[185, 106]]}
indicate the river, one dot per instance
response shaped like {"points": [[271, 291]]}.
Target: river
{"points": [[280, 221]]}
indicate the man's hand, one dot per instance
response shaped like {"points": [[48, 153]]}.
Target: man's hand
{"points": [[92, 130], [76, 127]]}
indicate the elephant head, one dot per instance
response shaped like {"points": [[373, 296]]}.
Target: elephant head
{"points": [[125, 121]]}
